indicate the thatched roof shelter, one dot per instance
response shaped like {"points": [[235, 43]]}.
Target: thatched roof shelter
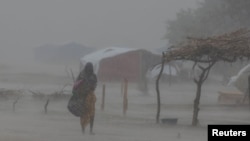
{"points": [[227, 47]]}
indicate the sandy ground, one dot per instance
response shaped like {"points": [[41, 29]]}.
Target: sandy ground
{"points": [[30, 123]]}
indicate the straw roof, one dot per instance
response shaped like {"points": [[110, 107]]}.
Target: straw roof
{"points": [[228, 47]]}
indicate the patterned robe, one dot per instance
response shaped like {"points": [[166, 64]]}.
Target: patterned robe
{"points": [[89, 109]]}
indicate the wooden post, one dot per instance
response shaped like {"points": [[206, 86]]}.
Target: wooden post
{"points": [[14, 104], [199, 82], [103, 97], [125, 99], [158, 90], [249, 90], [122, 87], [170, 75], [46, 106]]}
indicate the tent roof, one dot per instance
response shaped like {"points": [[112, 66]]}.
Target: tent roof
{"points": [[168, 70], [240, 81], [101, 54]]}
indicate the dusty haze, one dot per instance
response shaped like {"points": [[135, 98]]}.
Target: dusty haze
{"points": [[27, 24]]}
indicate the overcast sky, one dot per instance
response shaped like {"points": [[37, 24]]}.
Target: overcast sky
{"points": [[25, 24]]}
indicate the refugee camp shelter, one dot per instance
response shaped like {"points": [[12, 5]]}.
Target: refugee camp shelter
{"points": [[115, 64], [240, 81], [171, 70], [205, 52]]}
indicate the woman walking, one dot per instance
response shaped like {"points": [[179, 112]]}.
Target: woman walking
{"points": [[83, 105]]}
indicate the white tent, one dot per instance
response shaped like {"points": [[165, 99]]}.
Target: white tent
{"points": [[240, 81], [97, 56], [168, 70]]}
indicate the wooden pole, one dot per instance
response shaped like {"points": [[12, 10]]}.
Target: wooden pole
{"points": [[122, 87], [14, 104], [46, 106], [103, 97], [249, 90], [199, 82], [170, 75], [157, 89], [125, 97]]}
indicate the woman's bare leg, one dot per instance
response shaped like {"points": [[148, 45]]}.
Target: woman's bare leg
{"points": [[92, 124], [82, 124]]}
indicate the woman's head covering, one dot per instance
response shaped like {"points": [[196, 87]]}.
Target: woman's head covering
{"points": [[89, 69]]}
